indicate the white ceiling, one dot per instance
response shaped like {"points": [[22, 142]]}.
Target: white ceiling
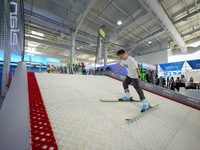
{"points": [[56, 19]]}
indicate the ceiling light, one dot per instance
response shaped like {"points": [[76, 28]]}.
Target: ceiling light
{"points": [[78, 47], [149, 42], [37, 33], [37, 37], [119, 22], [195, 44], [32, 44], [31, 49], [32, 52]]}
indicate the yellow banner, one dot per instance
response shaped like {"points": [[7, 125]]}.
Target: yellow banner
{"points": [[102, 33]]}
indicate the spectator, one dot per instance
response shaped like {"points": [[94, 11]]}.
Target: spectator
{"points": [[191, 80], [183, 81], [147, 78], [161, 81], [69, 66], [76, 68], [171, 83], [191, 84], [157, 80], [164, 83], [108, 69], [168, 82], [177, 83], [73, 68]]}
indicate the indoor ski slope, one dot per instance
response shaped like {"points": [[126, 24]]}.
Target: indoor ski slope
{"points": [[80, 121]]}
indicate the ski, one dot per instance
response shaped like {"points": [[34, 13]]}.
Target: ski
{"points": [[141, 114], [119, 100]]}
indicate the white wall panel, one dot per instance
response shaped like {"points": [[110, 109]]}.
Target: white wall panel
{"points": [[154, 58], [183, 57]]}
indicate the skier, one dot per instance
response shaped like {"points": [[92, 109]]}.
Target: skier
{"points": [[132, 76]]}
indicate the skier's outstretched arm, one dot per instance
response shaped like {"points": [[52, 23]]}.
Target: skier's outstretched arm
{"points": [[116, 70]]}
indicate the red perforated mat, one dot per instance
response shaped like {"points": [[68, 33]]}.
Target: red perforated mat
{"points": [[42, 136]]}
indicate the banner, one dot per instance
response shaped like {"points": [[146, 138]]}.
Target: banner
{"points": [[172, 66], [194, 64], [100, 45], [12, 26]]}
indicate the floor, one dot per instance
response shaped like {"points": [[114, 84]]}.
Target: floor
{"points": [[81, 122]]}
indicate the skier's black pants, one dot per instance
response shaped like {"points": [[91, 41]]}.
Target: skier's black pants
{"points": [[136, 85]]}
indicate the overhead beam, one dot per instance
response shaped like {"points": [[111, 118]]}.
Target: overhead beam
{"points": [[193, 40], [160, 1], [161, 30], [195, 2], [160, 47], [82, 15], [190, 33], [137, 43], [59, 57], [45, 13], [61, 46], [191, 9], [131, 18], [150, 35], [185, 5], [156, 10], [44, 21], [64, 47], [102, 17], [47, 23], [78, 3], [186, 17], [127, 25], [78, 23], [59, 29], [191, 50]]}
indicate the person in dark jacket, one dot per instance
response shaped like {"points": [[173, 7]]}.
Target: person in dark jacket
{"points": [[171, 83]]}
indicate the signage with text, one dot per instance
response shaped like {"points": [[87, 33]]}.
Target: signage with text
{"points": [[12, 26], [194, 64], [172, 66]]}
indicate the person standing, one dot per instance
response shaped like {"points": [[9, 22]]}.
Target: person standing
{"points": [[183, 81], [69, 66], [177, 83], [171, 83], [168, 82], [132, 76]]}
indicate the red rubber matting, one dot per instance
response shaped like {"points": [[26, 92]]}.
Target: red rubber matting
{"points": [[42, 137]]}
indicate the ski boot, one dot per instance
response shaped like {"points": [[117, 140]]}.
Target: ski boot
{"points": [[126, 97], [145, 105]]}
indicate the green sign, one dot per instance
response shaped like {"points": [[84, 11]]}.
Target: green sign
{"points": [[102, 33]]}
